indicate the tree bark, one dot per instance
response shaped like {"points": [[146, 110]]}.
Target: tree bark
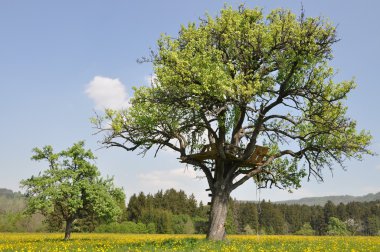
{"points": [[69, 223], [218, 215]]}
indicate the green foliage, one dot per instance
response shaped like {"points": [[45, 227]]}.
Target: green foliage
{"points": [[200, 225], [169, 211], [12, 218], [231, 223], [177, 202], [182, 224], [361, 218], [267, 217], [164, 221], [71, 188], [248, 230], [189, 227], [373, 225], [306, 229], [336, 227], [247, 216], [272, 219], [55, 221], [241, 79], [151, 228]]}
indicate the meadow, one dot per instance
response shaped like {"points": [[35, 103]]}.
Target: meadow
{"points": [[129, 242]]}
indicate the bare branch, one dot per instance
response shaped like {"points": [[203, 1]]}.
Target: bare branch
{"points": [[281, 117]]}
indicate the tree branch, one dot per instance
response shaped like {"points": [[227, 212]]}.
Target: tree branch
{"points": [[235, 138], [204, 168]]}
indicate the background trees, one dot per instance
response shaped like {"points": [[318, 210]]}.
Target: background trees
{"points": [[336, 227], [260, 217], [244, 218], [237, 81], [12, 217], [71, 188]]}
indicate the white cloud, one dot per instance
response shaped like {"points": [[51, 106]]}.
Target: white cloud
{"points": [[107, 93], [181, 178]]}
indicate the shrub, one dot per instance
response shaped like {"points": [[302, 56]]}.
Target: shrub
{"points": [[306, 229], [336, 227]]}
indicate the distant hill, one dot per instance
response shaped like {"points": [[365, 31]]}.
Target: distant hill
{"points": [[310, 201], [11, 201], [335, 199], [9, 193]]}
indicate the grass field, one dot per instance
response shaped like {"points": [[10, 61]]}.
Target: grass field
{"points": [[121, 242]]}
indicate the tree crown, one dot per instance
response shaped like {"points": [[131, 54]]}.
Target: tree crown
{"points": [[241, 80], [71, 186]]}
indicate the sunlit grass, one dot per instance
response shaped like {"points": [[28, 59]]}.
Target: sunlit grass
{"points": [[129, 242]]}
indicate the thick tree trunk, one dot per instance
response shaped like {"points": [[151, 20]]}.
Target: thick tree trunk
{"points": [[218, 215], [69, 224]]}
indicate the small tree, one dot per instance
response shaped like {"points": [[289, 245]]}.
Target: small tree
{"points": [[306, 229], [243, 96], [336, 227], [248, 230], [354, 226], [72, 187], [373, 225]]}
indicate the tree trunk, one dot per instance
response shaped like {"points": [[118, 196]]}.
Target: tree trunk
{"points": [[68, 229], [218, 215]]}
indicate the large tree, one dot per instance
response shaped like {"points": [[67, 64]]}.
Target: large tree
{"points": [[243, 96], [71, 187]]}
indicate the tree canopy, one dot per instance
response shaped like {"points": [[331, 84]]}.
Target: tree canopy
{"points": [[241, 82], [71, 187]]}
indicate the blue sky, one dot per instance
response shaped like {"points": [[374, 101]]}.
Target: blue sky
{"points": [[50, 52]]}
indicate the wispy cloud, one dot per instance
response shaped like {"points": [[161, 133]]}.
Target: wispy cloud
{"points": [[107, 93]]}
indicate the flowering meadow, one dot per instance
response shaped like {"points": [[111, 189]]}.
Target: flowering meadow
{"points": [[122, 242]]}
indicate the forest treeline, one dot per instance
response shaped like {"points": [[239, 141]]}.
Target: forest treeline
{"points": [[173, 211]]}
